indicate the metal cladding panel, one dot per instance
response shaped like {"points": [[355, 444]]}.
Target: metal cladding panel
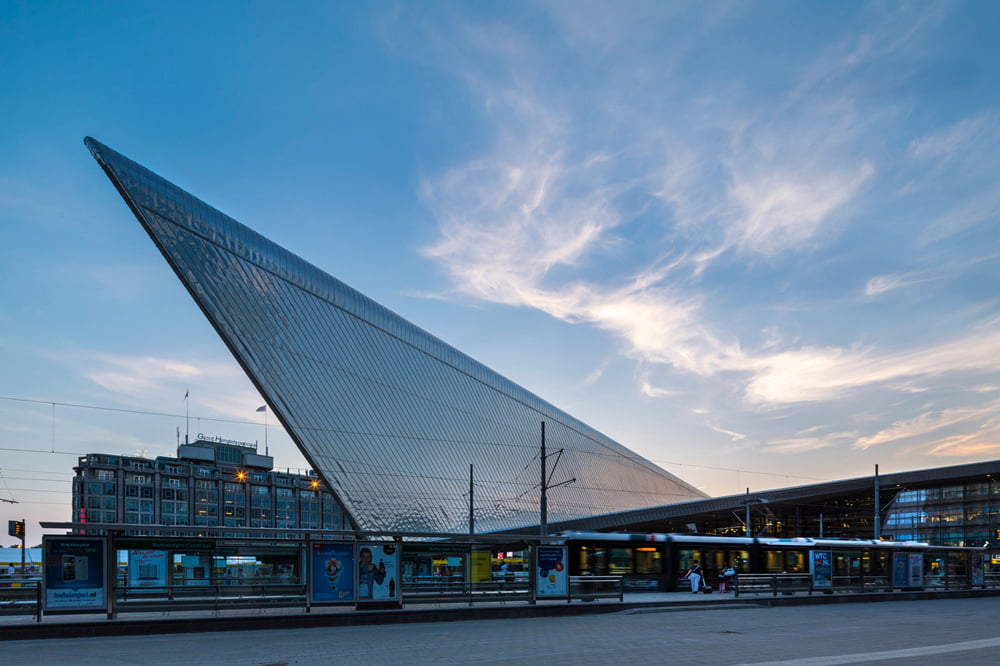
{"points": [[389, 415]]}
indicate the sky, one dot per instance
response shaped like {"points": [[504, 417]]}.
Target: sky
{"points": [[755, 242]]}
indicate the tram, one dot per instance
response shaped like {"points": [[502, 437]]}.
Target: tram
{"points": [[658, 562]]}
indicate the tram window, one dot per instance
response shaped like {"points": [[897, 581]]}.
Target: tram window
{"points": [[621, 561], [647, 561], [774, 561], [594, 561]]}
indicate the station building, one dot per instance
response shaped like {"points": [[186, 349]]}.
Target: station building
{"points": [[399, 425]]}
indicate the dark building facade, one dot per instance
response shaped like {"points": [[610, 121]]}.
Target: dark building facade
{"points": [[211, 483]]}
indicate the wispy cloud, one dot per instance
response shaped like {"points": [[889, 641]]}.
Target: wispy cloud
{"points": [[780, 211], [812, 374], [925, 424], [882, 284], [723, 183]]}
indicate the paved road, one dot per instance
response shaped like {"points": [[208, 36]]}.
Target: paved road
{"points": [[958, 631]]}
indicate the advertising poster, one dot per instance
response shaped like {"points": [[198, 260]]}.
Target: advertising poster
{"points": [[916, 570], [481, 567], [552, 580], [978, 572], [74, 573], [900, 570], [378, 572], [821, 568], [332, 573], [147, 568]]}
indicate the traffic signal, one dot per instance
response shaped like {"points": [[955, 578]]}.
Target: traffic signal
{"points": [[15, 528]]}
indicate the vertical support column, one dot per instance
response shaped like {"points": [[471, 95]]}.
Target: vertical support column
{"points": [[308, 570], [111, 573], [748, 514], [878, 513], [532, 575], [544, 505]]}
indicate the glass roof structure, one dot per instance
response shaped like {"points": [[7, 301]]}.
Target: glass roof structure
{"points": [[390, 416]]}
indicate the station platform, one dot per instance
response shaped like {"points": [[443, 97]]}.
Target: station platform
{"points": [[25, 627]]}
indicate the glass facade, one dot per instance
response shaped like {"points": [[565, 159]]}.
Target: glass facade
{"points": [[389, 415]]}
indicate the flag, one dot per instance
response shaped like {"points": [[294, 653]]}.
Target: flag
{"points": [[262, 408], [186, 391]]}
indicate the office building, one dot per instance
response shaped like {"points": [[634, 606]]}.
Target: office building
{"points": [[212, 482]]}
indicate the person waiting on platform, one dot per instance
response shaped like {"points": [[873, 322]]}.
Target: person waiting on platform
{"points": [[725, 578], [694, 574]]}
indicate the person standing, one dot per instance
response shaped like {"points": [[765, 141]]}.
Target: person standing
{"points": [[725, 578], [694, 574]]}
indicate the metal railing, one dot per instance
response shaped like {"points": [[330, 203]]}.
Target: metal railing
{"points": [[772, 584], [592, 588], [21, 595]]}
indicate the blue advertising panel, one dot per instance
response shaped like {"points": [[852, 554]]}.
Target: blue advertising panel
{"points": [[378, 572], [551, 580], [821, 568], [74, 573], [332, 573], [900, 569]]}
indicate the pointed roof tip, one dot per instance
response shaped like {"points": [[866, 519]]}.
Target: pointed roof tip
{"points": [[94, 146]]}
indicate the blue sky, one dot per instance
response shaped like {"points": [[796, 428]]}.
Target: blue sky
{"points": [[737, 237]]}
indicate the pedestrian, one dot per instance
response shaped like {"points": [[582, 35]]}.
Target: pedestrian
{"points": [[725, 578], [694, 574]]}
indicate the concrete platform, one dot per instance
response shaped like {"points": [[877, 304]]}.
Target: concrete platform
{"points": [[23, 627]]}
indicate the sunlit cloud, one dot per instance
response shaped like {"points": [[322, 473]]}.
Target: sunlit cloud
{"points": [[781, 211], [925, 424], [881, 284], [797, 445], [735, 436]]}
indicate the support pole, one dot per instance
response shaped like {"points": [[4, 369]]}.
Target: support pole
{"points": [[748, 513], [544, 506], [472, 518], [878, 516]]}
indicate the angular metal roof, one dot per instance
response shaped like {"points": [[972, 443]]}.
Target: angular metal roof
{"points": [[390, 416]]}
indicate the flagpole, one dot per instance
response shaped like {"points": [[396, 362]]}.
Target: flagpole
{"points": [[263, 408], [187, 417]]}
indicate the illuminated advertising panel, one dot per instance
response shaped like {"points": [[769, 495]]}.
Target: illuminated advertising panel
{"points": [[74, 577], [378, 572], [332, 573], [551, 579]]}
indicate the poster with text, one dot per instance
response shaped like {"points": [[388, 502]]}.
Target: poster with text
{"points": [[147, 568], [332, 573], [916, 570], [552, 580], [378, 572], [821, 568], [74, 573]]}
